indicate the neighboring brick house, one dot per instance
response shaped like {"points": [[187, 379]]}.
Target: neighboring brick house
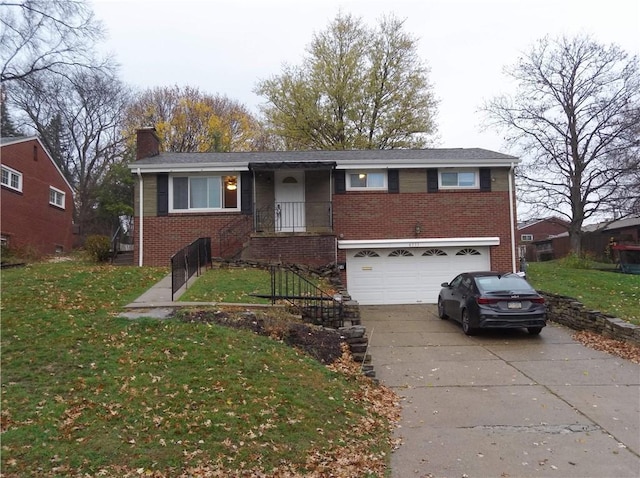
{"points": [[37, 200], [596, 239], [397, 222], [536, 230]]}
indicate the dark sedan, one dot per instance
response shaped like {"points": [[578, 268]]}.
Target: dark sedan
{"points": [[492, 300]]}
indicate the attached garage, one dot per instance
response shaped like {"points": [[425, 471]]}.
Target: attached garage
{"points": [[403, 272]]}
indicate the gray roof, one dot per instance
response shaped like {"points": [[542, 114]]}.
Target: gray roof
{"points": [[379, 158], [622, 223], [15, 139]]}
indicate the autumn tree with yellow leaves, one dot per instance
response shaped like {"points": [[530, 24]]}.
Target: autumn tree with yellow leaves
{"points": [[188, 120]]}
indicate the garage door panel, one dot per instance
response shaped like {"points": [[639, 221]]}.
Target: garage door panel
{"points": [[408, 276]]}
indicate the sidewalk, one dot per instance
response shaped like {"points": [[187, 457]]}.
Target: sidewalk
{"points": [[158, 295], [156, 302]]}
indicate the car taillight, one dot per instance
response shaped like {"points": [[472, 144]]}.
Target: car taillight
{"points": [[538, 300], [486, 301]]}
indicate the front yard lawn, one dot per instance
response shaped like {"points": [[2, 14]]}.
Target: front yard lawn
{"points": [[232, 284], [88, 393], [609, 292]]}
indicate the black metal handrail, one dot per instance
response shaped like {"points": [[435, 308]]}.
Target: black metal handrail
{"points": [[294, 216], [312, 302], [115, 243], [189, 261], [232, 236]]}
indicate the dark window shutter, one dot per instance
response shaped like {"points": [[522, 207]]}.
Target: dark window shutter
{"points": [[163, 194], [485, 179], [246, 193], [393, 178], [341, 182], [432, 180]]}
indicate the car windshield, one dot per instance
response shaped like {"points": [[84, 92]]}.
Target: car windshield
{"points": [[505, 283]]}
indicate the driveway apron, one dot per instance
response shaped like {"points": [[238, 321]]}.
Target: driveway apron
{"points": [[503, 403]]}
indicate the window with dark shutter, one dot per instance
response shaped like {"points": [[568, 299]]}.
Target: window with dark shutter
{"points": [[163, 194], [246, 193], [393, 178], [340, 181], [485, 179], [432, 180]]}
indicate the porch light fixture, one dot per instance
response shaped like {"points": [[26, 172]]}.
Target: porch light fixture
{"points": [[232, 183]]}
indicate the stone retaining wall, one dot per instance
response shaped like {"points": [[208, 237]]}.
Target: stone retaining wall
{"points": [[356, 338], [572, 313]]}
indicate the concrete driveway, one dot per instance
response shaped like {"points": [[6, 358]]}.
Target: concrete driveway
{"points": [[503, 404]]}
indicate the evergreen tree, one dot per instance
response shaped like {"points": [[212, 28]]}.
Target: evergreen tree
{"points": [[7, 128]]}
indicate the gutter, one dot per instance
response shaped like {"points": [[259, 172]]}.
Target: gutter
{"points": [[141, 218], [512, 220]]}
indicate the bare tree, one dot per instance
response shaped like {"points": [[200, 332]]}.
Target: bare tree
{"points": [[46, 35], [574, 120], [78, 118]]}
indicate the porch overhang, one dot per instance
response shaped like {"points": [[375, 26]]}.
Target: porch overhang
{"points": [[271, 165]]}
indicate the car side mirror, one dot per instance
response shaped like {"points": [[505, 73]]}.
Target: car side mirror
{"points": [[444, 284]]}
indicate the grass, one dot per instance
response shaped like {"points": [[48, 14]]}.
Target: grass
{"points": [[605, 290], [236, 285], [232, 284], [85, 392]]}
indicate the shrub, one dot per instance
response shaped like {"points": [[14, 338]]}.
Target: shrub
{"points": [[98, 248], [21, 253], [575, 261]]}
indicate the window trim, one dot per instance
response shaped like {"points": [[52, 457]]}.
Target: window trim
{"points": [[58, 193], [526, 237], [12, 172], [385, 180], [476, 178], [221, 175]]}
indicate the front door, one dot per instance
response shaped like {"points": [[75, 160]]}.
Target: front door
{"points": [[289, 207]]}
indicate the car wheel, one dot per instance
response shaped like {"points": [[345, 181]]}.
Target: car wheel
{"points": [[441, 312], [466, 326], [534, 330]]}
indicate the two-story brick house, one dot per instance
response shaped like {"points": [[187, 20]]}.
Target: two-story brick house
{"points": [[37, 200], [398, 222]]}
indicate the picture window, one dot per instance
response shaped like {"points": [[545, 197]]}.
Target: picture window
{"points": [[204, 193]]}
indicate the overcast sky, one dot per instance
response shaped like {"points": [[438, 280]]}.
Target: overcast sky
{"points": [[226, 47]]}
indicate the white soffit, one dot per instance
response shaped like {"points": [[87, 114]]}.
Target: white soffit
{"points": [[437, 242]]}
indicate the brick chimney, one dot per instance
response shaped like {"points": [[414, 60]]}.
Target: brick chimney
{"points": [[147, 143]]}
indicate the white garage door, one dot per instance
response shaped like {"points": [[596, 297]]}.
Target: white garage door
{"points": [[408, 275]]}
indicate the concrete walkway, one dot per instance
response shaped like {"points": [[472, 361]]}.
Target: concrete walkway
{"points": [[504, 404], [156, 301]]}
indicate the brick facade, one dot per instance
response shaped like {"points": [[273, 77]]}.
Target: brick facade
{"points": [[356, 215], [315, 250], [164, 236], [29, 222], [442, 214]]}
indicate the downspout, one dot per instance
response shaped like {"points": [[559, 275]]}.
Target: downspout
{"points": [[335, 248], [140, 219], [512, 220]]}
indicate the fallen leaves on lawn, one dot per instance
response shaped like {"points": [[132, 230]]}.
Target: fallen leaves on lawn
{"points": [[619, 348], [358, 453]]}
